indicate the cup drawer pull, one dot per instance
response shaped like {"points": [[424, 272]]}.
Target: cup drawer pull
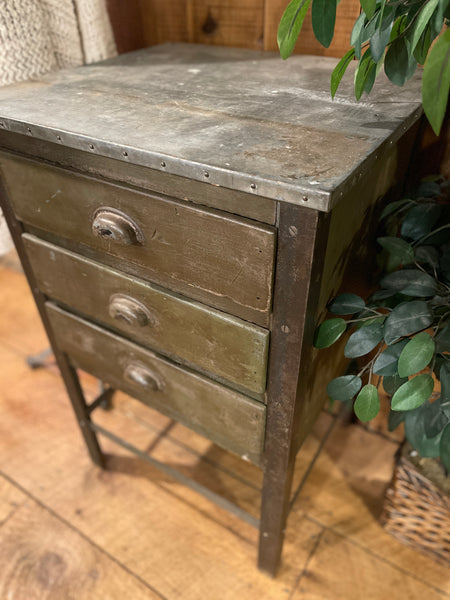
{"points": [[133, 312], [143, 376], [111, 224]]}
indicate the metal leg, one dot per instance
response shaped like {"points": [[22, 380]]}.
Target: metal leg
{"points": [[37, 361], [300, 231], [68, 373]]}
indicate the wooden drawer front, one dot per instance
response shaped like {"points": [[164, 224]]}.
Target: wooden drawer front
{"points": [[218, 344], [224, 261], [222, 415]]}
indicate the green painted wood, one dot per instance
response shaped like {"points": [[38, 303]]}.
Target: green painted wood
{"points": [[228, 418], [196, 192], [224, 261], [202, 337]]}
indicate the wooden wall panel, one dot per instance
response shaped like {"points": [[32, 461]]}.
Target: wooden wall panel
{"points": [[164, 21], [347, 12], [238, 23], [126, 21]]}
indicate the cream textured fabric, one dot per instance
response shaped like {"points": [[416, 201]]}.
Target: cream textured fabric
{"points": [[38, 36]]}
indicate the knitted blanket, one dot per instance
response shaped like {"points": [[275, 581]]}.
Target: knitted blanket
{"points": [[38, 36]]}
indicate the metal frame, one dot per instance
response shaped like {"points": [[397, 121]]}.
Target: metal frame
{"points": [[300, 231]]}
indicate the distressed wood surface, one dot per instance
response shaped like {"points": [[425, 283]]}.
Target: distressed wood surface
{"points": [[220, 345], [44, 558], [224, 416], [223, 261]]}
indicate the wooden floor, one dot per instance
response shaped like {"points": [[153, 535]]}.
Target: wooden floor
{"points": [[69, 530]]}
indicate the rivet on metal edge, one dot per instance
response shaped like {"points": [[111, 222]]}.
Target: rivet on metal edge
{"points": [[285, 329], [292, 231], [91, 146], [125, 153], [205, 174], [253, 186], [29, 129], [305, 198], [58, 137], [163, 164]]}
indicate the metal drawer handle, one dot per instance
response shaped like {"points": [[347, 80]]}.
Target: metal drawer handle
{"points": [[114, 225], [125, 308], [140, 374]]}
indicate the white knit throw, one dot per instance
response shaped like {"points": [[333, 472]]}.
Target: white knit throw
{"points": [[38, 36]]}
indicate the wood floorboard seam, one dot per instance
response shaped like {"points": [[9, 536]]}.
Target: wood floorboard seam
{"points": [[307, 563], [375, 555], [10, 515], [82, 535]]}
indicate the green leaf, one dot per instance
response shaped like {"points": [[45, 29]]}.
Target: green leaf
{"points": [[355, 38], [421, 22], [428, 255], [367, 403], [364, 340], [444, 378], [329, 332], [395, 418], [413, 393], [346, 304], [365, 69], [393, 207], [406, 318], [436, 81], [435, 419], [416, 436], [290, 26], [387, 362], [423, 45], [339, 70], [411, 282], [379, 40], [444, 448], [400, 252], [368, 7], [396, 62], [419, 220], [323, 15], [393, 383], [416, 355], [344, 388], [442, 339]]}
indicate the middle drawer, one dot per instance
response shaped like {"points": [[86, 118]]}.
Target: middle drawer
{"points": [[222, 346]]}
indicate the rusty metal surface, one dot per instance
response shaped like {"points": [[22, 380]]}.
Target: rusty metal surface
{"points": [[240, 119]]}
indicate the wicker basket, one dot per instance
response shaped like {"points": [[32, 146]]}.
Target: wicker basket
{"points": [[417, 512]]}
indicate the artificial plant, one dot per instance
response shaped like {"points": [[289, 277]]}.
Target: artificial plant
{"points": [[396, 34], [403, 330]]}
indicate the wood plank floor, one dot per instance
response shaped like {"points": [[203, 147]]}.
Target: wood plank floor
{"points": [[69, 530]]}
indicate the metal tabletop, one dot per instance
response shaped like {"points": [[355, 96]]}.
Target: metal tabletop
{"points": [[242, 119]]}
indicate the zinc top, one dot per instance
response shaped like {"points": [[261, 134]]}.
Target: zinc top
{"points": [[241, 119]]}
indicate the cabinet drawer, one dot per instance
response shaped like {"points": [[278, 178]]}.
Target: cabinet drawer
{"points": [[224, 261], [220, 414], [220, 345]]}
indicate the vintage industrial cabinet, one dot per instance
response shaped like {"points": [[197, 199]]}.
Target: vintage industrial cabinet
{"points": [[184, 213]]}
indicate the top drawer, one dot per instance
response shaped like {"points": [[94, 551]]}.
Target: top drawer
{"points": [[224, 261]]}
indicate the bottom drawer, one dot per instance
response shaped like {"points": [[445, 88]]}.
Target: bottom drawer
{"points": [[224, 416]]}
